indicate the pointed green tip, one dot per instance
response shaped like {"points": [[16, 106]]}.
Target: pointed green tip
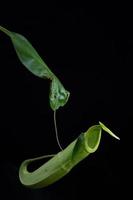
{"points": [[108, 131]]}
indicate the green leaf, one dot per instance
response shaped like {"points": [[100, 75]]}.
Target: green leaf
{"points": [[34, 63]]}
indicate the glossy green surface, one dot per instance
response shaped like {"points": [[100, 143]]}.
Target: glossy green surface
{"points": [[33, 62]]}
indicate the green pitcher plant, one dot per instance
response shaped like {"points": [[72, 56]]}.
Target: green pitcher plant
{"points": [[86, 143]]}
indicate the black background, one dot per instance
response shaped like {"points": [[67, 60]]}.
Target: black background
{"points": [[92, 55]]}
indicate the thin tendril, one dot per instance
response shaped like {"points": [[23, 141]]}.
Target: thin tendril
{"points": [[56, 132]]}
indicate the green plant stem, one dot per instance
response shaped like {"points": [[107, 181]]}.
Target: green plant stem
{"points": [[56, 131]]}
